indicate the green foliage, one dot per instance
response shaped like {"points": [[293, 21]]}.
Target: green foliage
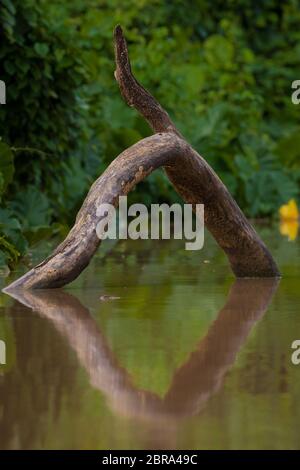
{"points": [[223, 71], [6, 167]]}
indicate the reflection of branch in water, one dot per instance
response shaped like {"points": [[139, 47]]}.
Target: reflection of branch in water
{"points": [[193, 383], [202, 375]]}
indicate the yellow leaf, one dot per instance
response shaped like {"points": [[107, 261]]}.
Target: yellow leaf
{"points": [[289, 211], [289, 228]]}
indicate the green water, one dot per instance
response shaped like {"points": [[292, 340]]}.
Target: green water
{"points": [[182, 357]]}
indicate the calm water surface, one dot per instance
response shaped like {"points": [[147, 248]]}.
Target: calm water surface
{"points": [[154, 347]]}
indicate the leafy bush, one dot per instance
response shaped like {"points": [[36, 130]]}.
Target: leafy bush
{"points": [[223, 71], [40, 125]]}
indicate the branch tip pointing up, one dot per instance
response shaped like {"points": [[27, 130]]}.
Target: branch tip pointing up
{"points": [[134, 93]]}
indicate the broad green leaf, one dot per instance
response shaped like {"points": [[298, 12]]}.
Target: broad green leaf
{"points": [[32, 208], [41, 49]]}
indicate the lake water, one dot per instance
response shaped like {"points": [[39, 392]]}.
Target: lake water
{"points": [[154, 347]]}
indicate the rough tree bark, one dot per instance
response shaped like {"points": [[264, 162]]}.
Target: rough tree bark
{"points": [[191, 176]]}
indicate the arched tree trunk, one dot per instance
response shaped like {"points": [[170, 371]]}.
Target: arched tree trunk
{"points": [[191, 176]]}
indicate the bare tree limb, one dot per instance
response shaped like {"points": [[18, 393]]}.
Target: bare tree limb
{"points": [[134, 93], [223, 217], [191, 176]]}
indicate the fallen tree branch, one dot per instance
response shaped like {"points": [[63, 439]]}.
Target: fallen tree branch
{"points": [[191, 176]]}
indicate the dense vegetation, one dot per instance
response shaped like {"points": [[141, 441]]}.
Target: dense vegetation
{"points": [[223, 70]]}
